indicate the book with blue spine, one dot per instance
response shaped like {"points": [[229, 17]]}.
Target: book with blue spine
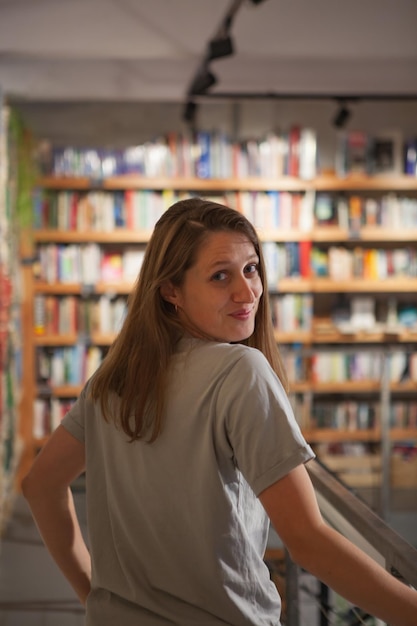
{"points": [[202, 164]]}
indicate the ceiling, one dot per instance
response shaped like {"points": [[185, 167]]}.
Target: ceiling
{"points": [[149, 50]]}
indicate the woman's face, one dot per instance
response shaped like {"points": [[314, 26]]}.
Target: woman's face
{"points": [[220, 294]]}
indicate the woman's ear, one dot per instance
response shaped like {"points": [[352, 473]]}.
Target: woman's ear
{"points": [[169, 292]]}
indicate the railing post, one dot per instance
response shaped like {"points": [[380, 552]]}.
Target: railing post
{"points": [[292, 591], [385, 400], [324, 603]]}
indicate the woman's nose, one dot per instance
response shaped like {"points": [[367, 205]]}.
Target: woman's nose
{"points": [[243, 291]]}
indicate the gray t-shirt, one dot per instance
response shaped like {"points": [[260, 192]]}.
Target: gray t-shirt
{"points": [[176, 531]]}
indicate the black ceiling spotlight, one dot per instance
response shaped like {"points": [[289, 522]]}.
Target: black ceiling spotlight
{"points": [[190, 111], [202, 81], [342, 116], [220, 47]]}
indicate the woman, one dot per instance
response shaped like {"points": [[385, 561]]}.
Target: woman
{"points": [[189, 445]]}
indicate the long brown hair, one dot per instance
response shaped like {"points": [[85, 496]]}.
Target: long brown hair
{"points": [[136, 365]]}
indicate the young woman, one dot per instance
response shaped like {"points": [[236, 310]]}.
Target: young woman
{"points": [[190, 446]]}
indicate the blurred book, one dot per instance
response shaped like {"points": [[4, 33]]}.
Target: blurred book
{"points": [[386, 153]]}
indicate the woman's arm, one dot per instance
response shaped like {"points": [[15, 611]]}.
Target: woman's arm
{"points": [[293, 510], [47, 490]]}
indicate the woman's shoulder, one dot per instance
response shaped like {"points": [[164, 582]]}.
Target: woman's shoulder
{"points": [[216, 352]]}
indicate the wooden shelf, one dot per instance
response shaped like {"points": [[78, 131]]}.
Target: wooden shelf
{"points": [[294, 285], [300, 386], [116, 236], [326, 435], [325, 234], [66, 391], [354, 285], [401, 434], [298, 337], [404, 387], [60, 289], [347, 386], [383, 336], [55, 340], [353, 182], [360, 182], [363, 285], [97, 339], [365, 234]]}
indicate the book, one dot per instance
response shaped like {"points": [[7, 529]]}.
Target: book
{"points": [[325, 209], [294, 139], [308, 154], [305, 258], [410, 157], [386, 153], [203, 158], [362, 312], [353, 153], [111, 267], [132, 260]]}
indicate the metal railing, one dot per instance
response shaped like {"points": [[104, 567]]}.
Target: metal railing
{"points": [[348, 514]]}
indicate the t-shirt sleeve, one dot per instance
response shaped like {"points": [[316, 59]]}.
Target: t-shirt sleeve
{"points": [[265, 437], [74, 420]]}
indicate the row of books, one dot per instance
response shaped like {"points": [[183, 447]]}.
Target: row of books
{"points": [[88, 264], [48, 414], [101, 210], [292, 312], [328, 366], [67, 366], [140, 209], [349, 449], [205, 154], [352, 415], [352, 212], [213, 154], [295, 363], [284, 260], [383, 153], [364, 312], [61, 315], [340, 263], [345, 415], [302, 259], [74, 315], [403, 414]]}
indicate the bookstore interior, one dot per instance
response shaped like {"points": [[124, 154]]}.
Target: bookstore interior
{"points": [[329, 182]]}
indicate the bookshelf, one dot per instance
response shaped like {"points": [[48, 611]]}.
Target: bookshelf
{"points": [[311, 347], [10, 318]]}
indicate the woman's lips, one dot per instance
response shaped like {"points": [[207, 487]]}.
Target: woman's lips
{"points": [[242, 314]]}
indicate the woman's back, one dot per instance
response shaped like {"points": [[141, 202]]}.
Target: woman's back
{"points": [[185, 534]]}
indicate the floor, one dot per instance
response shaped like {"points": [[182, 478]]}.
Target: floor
{"points": [[34, 593], [32, 590]]}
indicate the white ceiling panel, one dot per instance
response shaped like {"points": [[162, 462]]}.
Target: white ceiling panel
{"points": [[124, 50]]}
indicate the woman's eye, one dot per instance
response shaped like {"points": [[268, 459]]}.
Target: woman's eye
{"points": [[252, 268], [219, 276]]}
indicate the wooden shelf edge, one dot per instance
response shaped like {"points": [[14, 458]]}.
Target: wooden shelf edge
{"points": [[322, 182]]}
